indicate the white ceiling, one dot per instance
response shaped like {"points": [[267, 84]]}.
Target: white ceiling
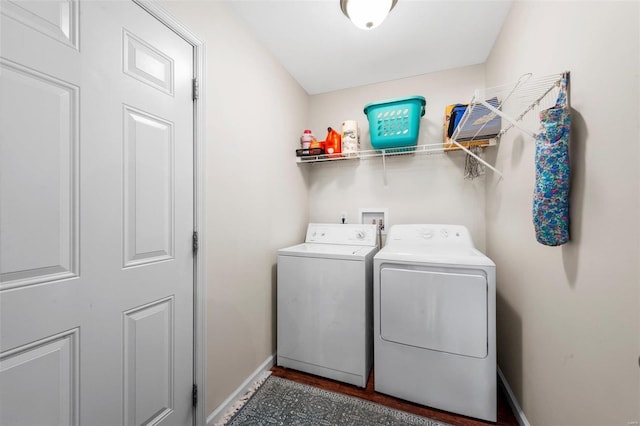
{"points": [[324, 51]]}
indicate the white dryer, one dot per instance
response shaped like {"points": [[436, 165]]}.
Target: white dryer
{"points": [[325, 300], [435, 320]]}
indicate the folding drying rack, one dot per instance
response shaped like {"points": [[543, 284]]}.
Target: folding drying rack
{"points": [[514, 102]]}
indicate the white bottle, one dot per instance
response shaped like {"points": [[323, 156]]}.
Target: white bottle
{"points": [[350, 137], [306, 139]]}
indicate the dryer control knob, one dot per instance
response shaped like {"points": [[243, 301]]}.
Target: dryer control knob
{"points": [[427, 235]]}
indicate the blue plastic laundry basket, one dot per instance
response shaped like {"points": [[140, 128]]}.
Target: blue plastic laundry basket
{"points": [[395, 123]]}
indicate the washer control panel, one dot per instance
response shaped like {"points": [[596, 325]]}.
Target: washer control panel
{"points": [[333, 233]]}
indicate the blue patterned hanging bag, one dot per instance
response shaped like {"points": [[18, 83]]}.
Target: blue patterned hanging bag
{"points": [[551, 194]]}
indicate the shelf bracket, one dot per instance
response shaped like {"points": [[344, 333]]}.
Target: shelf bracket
{"points": [[384, 167]]}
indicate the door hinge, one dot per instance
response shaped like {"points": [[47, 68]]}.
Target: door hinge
{"points": [[195, 89], [194, 240], [194, 395]]}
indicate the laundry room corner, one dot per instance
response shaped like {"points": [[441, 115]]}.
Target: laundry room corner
{"points": [[414, 189]]}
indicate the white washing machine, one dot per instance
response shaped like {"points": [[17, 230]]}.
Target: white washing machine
{"points": [[325, 300], [435, 320]]}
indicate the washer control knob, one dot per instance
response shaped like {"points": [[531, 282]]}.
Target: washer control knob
{"points": [[428, 234], [444, 233], [360, 235]]}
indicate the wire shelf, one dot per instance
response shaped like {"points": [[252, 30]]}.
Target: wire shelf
{"points": [[429, 149]]}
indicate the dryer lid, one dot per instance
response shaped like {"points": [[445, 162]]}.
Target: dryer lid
{"points": [[429, 243]]}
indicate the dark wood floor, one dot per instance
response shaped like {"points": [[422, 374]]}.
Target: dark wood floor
{"points": [[505, 415]]}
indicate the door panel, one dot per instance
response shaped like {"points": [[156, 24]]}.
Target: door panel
{"points": [[48, 370], [97, 209], [148, 363], [321, 316], [146, 63], [37, 156], [57, 19], [148, 188], [439, 311]]}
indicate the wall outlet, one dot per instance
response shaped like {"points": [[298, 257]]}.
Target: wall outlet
{"points": [[343, 217]]}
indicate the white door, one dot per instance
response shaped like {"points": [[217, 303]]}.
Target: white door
{"points": [[96, 216]]}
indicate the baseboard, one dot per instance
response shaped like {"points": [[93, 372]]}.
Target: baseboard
{"points": [[219, 412], [513, 402]]}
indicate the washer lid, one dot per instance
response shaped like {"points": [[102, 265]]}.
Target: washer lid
{"points": [[334, 251], [441, 254]]}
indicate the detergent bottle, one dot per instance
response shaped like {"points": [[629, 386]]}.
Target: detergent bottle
{"points": [[333, 144]]}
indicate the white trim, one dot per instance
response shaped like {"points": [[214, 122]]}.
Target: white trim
{"points": [[154, 8], [242, 389], [513, 402]]}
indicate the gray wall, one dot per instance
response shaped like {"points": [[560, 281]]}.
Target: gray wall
{"points": [[256, 194], [568, 317]]}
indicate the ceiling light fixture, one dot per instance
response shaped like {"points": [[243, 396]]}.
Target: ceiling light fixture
{"points": [[367, 14]]}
